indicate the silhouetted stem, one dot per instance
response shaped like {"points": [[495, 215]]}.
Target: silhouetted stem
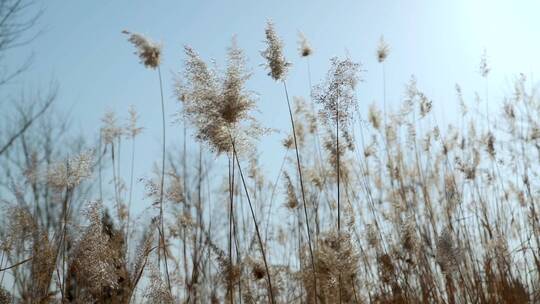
{"points": [[130, 190], [338, 178], [261, 245], [303, 192], [162, 183], [231, 223], [16, 264]]}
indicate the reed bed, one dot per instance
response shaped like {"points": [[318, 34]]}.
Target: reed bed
{"points": [[381, 205]]}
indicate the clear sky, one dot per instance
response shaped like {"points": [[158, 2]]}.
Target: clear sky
{"points": [[438, 41]]}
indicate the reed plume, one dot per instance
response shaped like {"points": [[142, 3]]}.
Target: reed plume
{"points": [[150, 55], [278, 66], [273, 53], [220, 108], [304, 47], [338, 98]]}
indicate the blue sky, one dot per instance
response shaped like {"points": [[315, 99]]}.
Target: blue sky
{"points": [[440, 42]]}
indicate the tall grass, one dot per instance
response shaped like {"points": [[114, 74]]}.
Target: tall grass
{"points": [[377, 206]]}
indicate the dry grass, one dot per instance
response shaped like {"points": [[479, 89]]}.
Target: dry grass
{"points": [[378, 207]]}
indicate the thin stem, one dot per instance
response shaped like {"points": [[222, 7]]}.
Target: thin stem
{"points": [[309, 75], [487, 103], [118, 162], [65, 207], [238, 255], [231, 221], [186, 198], [130, 191], [100, 168], [1, 264], [318, 157], [115, 181], [338, 173], [200, 224], [270, 290], [273, 193], [16, 264], [302, 190], [162, 182], [61, 244], [338, 179], [384, 91]]}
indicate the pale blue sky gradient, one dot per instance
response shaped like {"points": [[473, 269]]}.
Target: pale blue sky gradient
{"points": [[438, 41]]}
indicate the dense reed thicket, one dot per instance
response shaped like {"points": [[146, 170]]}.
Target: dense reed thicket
{"points": [[376, 206]]}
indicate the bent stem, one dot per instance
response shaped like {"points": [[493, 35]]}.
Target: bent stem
{"points": [[270, 290], [302, 190], [384, 93], [162, 230]]}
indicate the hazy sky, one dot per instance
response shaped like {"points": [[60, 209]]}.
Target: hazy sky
{"points": [[438, 41]]}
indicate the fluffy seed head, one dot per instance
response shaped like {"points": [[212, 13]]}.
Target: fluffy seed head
{"points": [[336, 259], [133, 128], [5, 297], [93, 262], [383, 49], [149, 52], [292, 200], [337, 93], [110, 130], [304, 48], [374, 116], [70, 172], [237, 102], [42, 264], [484, 67], [448, 253], [258, 271], [219, 105], [273, 54], [157, 291]]}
